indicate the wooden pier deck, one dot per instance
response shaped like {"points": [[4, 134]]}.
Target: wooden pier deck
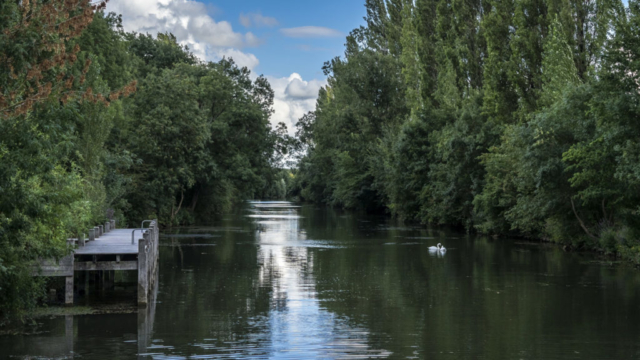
{"points": [[116, 241], [110, 249]]}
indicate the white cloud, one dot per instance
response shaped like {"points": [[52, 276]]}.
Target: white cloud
{"points": [[245, 20], [240, 58], [190, 22], [300, 89], [293, 97], [257, 20], [310, 32]]}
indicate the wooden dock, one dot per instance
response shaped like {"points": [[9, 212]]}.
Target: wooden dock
{"points": [[109, 249]]}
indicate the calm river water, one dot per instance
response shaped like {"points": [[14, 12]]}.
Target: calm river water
{"points": [[287, 282]]}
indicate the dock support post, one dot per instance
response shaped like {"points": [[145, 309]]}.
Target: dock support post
{"points": [[113, 224], [107, 227], [97, 231], [143, 279], [153, 238], [92, 234], [101, 227], [68, 285], [68, 290]]}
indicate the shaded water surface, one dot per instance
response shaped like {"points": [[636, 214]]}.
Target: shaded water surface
{"points": [[284, 281]]}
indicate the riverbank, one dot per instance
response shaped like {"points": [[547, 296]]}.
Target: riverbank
{"points": [[608, 249]]}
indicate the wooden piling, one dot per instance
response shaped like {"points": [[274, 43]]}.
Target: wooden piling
{"points": [[147, 263], [68, 290], [107, 226], [156, 247], [68, 285], [101, 229], [92, 234], [143, 279]]}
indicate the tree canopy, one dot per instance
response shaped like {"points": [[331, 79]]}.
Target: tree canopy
{"points": [[504, 117], [96, 123]]}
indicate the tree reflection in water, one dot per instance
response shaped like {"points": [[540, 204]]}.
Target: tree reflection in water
{"points": [[282, 281]]}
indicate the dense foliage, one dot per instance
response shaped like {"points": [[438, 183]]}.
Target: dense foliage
{"points": [[505, 117], [97, 123]]}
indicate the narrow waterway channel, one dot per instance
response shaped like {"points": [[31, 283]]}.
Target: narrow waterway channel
{"points": [[281, 281]]}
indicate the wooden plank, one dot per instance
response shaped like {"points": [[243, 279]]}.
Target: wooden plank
{"points": [[105, 265], [66, 271], [115, 242], [50, 267], [107, 250]]}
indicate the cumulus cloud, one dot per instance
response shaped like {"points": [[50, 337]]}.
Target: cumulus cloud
{"points": [[310, 32], [190, 22], [257, 20], [211, 40], [240, 58], [293, 97], [300, 89]]}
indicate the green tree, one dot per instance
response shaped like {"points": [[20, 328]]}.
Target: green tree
{"points": [[511, 117]]}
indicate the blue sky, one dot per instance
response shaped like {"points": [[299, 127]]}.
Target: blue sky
{"points": [[287, 41], [280, 55]]}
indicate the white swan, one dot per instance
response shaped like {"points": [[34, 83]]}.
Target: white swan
{"points": [[438, 247]]}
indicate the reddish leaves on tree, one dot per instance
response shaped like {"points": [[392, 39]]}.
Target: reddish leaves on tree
{"points": [[34, 78]]}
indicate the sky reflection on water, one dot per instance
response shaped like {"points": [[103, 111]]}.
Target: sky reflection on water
{"points": [[281, 281]]}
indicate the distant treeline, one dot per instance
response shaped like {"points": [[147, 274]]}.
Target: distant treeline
{"points": [[98, 123], [502, 116]]}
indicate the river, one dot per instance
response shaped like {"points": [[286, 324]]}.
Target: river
{"points": [[283, 281]]}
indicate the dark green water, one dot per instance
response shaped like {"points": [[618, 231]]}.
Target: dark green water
{"points": [[280, 281]]}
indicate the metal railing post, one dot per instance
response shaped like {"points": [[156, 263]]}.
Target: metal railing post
{"points": [[144, 221], [133, 232]]}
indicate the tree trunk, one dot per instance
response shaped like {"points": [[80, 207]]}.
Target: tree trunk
{"points": [[581, 222], [194, 200], [173, 214]]}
